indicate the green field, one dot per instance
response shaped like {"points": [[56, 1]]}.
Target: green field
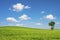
{"points": [[21, 33]]}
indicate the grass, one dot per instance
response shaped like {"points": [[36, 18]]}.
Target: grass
{"points": [[21, 33]]}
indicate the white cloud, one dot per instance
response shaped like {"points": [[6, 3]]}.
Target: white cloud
{"points": [[50, 17], [24, 17], [57, 22], [19, 24], [27, 7], [19, 7], [11, 19], [38, 24]]}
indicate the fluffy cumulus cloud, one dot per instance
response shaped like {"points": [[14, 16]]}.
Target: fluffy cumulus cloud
{"points": [[50, 17], [24, 17], [57, 22], [19, 7], [19, 24], [27, 7], [11, 19], [38, 24]]}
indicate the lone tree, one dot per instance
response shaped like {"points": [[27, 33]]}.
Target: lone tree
{"points": [[52, 23]]}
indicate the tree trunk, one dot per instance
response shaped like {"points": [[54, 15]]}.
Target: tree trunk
{"points": [[52, 27]]}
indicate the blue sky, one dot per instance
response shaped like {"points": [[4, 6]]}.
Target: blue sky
{"points": [[29, 13]]}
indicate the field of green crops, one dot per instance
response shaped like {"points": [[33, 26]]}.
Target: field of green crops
{"points": [[21, 33]]}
